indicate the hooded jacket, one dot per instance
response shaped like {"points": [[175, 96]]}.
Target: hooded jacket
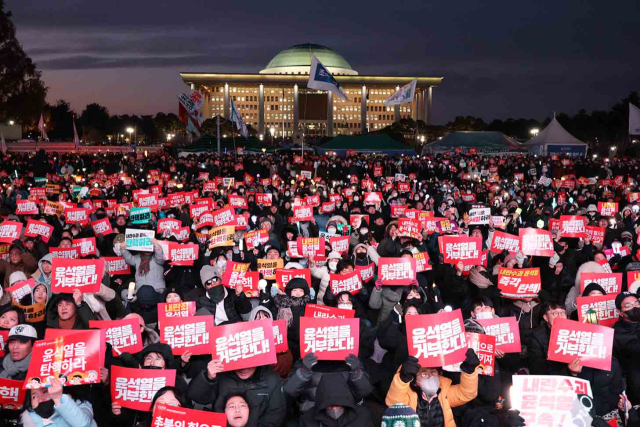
{"points": [[70, 413], [42, 277], [155, 276], [571, 302], [284, 360], [27, 265]]}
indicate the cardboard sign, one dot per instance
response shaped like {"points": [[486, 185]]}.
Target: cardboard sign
{"points": [[326, 312], [68, 275], [504, 241], [284, 276], [268, 267], [224, 216], [244, 344], [176, 309], [551, 400], [86, 246], [174, 416], [256, 238], [237, 272], [39, 228], [519, 283], [479, 216], [77, 355], [26, 207], [485, 348], [437, 339], [397, 271], [595, 234], [10, 231], [408, 227], [340, 244], [536, 242], [310, 246], [76, 215], [506, 331], [467, 250], [604, 307], [302, 213], [349, 282], [184, 255], [573, 226], [329, 339], [422, 262], [280, 335], [591, 343], [12, 394], [139, 240], [116, 265], [124, 335], [187, 334], [607, 208], [102, 227], [135, 388], [610, 282]]}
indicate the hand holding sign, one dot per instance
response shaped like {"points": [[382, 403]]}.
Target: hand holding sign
{"points": [[214, 367]]}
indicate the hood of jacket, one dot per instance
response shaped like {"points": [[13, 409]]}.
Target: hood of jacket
{"points": [[333, 391], [256, 310], [44, 277]]}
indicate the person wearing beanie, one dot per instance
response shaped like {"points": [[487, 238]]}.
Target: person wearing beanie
{"points": [[290, 305], [571, 301], [226, 305], [400, 416], [285, 359]]}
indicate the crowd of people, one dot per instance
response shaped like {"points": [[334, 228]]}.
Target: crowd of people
{"points": [[383, 384]]}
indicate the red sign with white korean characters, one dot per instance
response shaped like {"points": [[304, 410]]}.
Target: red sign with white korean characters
{"points": [[196, 210], [102, 227], [573, 226], [506, 331], [39, 228], [595, 234], [345, 282], [187, 334], [607, 208], [68, 275], [356, 221], [169, 224], [468, 197], [329, 339], [26, 207], [340, 244], [244, 344], [10, 231], [437, 339], [264, 199], [310, 246], [302, 213], [86, 246], [519, 283], [76, 215], [66, 253], [504, 241], [312, 200], [76, 355], [224, 216], [397, 271], [610, 282], [124, 335], [537, 242], [372, 198], [591, 343], [148, 201], [12, 394], [326, 312], [176, 309], [422, 262], [550, 400], [554, 225], [398, 210], [238, 201], [280, 335], [256, 238], [184, 255], [135, 388], [174, 416], [604, 307], [116, 265], [367, 272], [284, 276], [238, 272], [20, 289], [604, 263], [467, 250], [408, 227], [485, 348]]}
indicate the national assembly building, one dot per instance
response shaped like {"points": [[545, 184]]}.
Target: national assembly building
{"points": [[277, 99]]}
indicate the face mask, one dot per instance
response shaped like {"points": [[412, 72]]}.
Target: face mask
{"points": [[430, 386], [221, 264], [364, 231], [335, 413], [558, 247], [361, 255], [505, 213], [345, 306], [484, 315], [216, 294], [152, 367], [116, 249], [356, 198], [45, 409], [332, 266], [331, 230], [634, 314]]}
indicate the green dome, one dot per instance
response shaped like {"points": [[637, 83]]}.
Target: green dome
{"points": [[300, 56]]}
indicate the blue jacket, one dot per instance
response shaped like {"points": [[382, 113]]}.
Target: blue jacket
{"points": [[68, 414]]}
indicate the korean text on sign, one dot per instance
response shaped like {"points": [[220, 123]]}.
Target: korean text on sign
{"points": [[244, 345], [437, 339], [329, 339], [591, 343], [135, 388]]}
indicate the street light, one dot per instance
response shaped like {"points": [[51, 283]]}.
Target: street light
{"points": [[272, 130], [534, 131], [614, 148], [11, 122]]}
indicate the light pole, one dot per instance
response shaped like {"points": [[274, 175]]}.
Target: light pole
{"points": [[534, 132], [11, 122], [272, 130], [130, 131]]}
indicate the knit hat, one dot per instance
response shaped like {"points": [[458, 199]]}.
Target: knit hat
{"points": [[621, 296], [400, 416], [592, 208], [334, 255], [297, 283], [593, 286], [208, 272], [17, 276]]}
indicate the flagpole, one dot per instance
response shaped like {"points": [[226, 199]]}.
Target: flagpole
{"points": [[218, 135]]}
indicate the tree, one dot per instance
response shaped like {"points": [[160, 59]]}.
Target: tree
{"points": [[22, 92], [60, 124], [467, 123], [97, 117]]}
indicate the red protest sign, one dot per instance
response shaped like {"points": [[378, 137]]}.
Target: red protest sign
{"points": [[135, 388], [302, 213], [367, 272], [504, 241], [485, 348], [175, 416], [506, 331], [76, 355], [86, 246], [256, 238], [184, 255], [124, 335], [10, 231], [372, 198], [68, 275], [408, 227], [284, 275], [573, 226], [280, 335], [329, 339], [340, 244], [356, 221], [176, 309], [39, 228], [537, 242], [607, 208], [237, 272], [224, 216], [591, 343], [116, 265], [605, 264], [422, 262], [168, 224], [264, 199], [397, 271], [20, 289], [604, 307], [467, 250], [76, 215], [310, 246], [187, 334], [398, 210], [326, 312], [349, 282], [595, 234], [519, 283], [610, 282], [244, 345], [26, 207], [102, 227], [12, 394], [437, 339]]}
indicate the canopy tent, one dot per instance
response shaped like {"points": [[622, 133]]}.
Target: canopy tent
{"points": [[372, 143], [209, 143], [495, 143], [555, 139]]}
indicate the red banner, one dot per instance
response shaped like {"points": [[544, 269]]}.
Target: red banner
{"points": [[102, 227], [184, 255], [86, 246], [519, 283], [610, 282], [76, 215], [244, 344], [310, 246], [238, 272], [329, 339], [408, 227], [397, 271], [591, 343], [349, 282], [280, 335], [340, 244], [256, 238], [68, 275], [284, 275], [595, 234], [504, 241], [12, 394], [534, 241], [39, 228], [10, 231], [116, 265], [176, 309], [603, 307], [437, 339], [467, 250], [573, 226], [607, 208], [174, 416], [26, 207], [124, 335], [135, 388], [326, 312], [187, 334], [506, 331], [302, 213], [485, 348]]}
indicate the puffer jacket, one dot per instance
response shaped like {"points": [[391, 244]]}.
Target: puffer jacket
{"points": [[384, 299], [70, 413], [27, 265], [155, 276]]}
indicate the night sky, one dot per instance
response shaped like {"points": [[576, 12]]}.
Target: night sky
{"points": [[500, 59]]}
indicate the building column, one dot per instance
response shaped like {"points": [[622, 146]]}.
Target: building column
{"points": [[261, 111], [207, 105], [329, 113], [363, 110], [226, 101], [419, 106], [396, 109], [427, 105], [296, 114]]}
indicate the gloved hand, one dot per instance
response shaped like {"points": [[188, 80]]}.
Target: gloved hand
{"points": [[471, 362], [514, 419], [309, 361], [409, 369], [312, 293], [520, 258], [274, 291], [599, 422], [353, 362]]}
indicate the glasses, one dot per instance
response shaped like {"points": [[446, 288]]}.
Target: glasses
{"points": [[631, 305], [427, 374], [239, 406], [212, 281], [559, 313]]}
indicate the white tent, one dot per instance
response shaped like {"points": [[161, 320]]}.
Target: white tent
{"points": [[554, 139]]}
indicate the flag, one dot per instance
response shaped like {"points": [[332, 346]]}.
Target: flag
{"points": [[237, 119], [3, 144], [320, 78], [403, 95], [42, 129], [634, 120], [76, 139]]}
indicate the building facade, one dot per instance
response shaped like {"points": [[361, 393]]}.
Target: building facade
{"points": [[276, 101]]}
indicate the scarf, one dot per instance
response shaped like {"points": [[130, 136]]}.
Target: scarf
{"points": [[285, 302], [10, 368], [144, 268], [478, 279]]}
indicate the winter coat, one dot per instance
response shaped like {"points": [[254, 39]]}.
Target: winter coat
{"points": [[155, 276], [27, 265], [83, 315], [69, 413], [234, 306], [385, 299], [626, 348], [263, 392], [538, 347], [571, 301]]}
